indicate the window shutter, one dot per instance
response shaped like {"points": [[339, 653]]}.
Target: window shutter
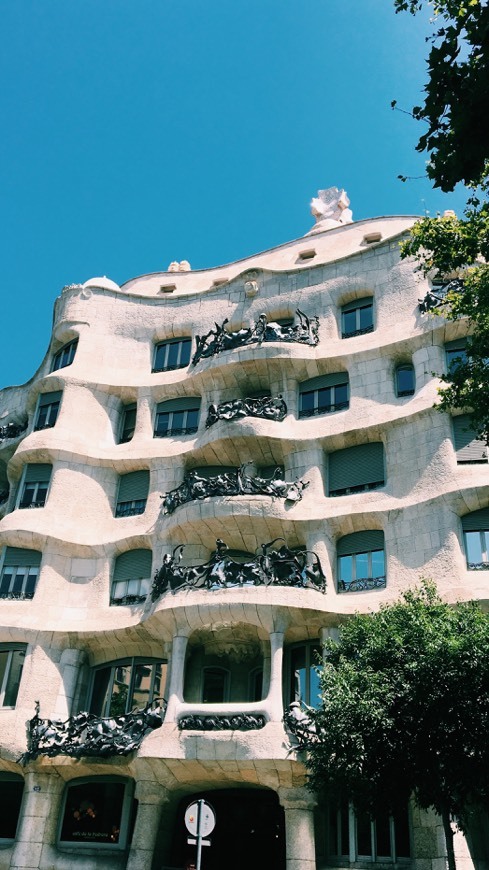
{"points": [[469, 448], [18, 557], [357, 303], [323, 381], [38, 473], [476, 521], [49, 398], [133, 486], [360, 542], [183, 404], [355, 466], [133, 565]]}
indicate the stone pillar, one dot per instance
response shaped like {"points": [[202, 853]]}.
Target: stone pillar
{"points": [[298, 804], [177, 669], [275, 695], [39, 819], [151, 797], [69, 667]]}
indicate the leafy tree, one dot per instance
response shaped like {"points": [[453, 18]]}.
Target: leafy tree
{"points": [[405, 710], [455, 107]]}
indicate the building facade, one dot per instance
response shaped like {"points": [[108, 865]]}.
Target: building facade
{"points": [[209, 470]]}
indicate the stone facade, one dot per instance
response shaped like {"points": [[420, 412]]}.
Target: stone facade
{"points": [[225, 655]]}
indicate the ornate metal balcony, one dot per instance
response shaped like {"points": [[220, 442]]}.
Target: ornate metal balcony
{"points": [[220, 339], [12, 430], [265, 407], [362, 585], [298, 721], [195, 487], [283, 567], [478, 566], [436, 297], [236, 722], [87, 735]]}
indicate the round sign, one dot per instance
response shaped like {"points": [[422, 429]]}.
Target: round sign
{"points": [[207, 819]]}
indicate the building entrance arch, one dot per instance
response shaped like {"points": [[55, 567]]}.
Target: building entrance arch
{"points": [[249, 832]]}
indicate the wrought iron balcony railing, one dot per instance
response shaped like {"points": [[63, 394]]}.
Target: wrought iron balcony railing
{"points": [[436, 297], [283, 567], [362, 585], [232, 722], [323, 409], [85, 734], [12, 430]]}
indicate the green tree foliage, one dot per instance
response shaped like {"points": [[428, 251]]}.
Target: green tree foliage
{"points": [[405, 710], [455, 107]]}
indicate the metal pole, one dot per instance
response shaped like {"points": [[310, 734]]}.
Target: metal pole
{"points": [[199, 832]]}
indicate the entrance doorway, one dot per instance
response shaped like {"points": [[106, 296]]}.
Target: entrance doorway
{"points": [[249, 832]]}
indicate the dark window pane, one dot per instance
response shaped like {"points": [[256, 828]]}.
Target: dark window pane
{"points": [[162, 421], [177, 421], [307, 401], [214, 686], [6, 581], [99, 704], [298, 674], [341, 394], [192, 419], [364, 837], [10, 801], [13, 681], [401, 828], [349, 322], [173, 351], [383, 836], [119, 702], [160, 357], [93, 813], [324, 398], [366, 317], [185, 353], [405, 380]]}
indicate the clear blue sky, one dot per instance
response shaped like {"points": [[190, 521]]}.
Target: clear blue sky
{"points": [[136, 132]]}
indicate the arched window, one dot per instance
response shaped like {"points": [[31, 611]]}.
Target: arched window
{"points": [[476, 536], [47, 410], [132, 577], [357, 317], [324, 394], [177, 417], [97, 813], [361, 561], [132, 493], [35, 485], [405, 380], [65, 356], [127, 424], [171, 355], [125, 685], [11, 790], [20, 569]]}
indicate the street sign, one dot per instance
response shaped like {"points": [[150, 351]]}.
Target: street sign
{"points": [[200, 821], [207, 819]]}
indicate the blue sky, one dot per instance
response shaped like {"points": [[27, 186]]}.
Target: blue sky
{"points": [[137, 132]]}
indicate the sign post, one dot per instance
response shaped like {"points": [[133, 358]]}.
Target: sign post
{"points": [[200, 821]]}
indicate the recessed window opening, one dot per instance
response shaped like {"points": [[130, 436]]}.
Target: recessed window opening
{"points": [[19, 574], [128, 423], [355, 837], [132, 494], [177, 417], [132, 577], [470, 449], [171, 355], [125, 685], [47, 411], [11, 790], [97, 813], [307, 255], [456, 354], [356, 469], [361, 561], [215, 685], [324, 395], [357, 317], [11, 664], [65, 356], [476, 537], [405, 380], [35, 487], [303, 678]]}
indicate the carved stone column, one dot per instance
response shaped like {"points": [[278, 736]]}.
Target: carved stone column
{"points": [[39, 819], [298, 804], [275, 695], [151, 797], [177, 669]]}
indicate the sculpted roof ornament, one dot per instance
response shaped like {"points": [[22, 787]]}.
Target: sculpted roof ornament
{"points": [[330, 208]]}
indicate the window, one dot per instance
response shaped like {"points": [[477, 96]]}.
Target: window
{"points": [[11, 663], [356, 837], [357, 317], [97, 812], [125, 685], [361, 561], [303, 679], [405, 381], [11, 790], [65, 356], [19, 572], [132, 494], [469, 448], [128, 422], [356, 469], [34, 490], [476, 535], [456, 354], [324, 394], [132, 577], [215, 685], [170, 355], [177, 417], [255, 693], [47, 410]]}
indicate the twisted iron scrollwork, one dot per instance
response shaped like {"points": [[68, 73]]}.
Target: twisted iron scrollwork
{"points": [[298, 720], [266, 407], [362, 585], [282, 567], [195, 487], [306, 331], [85, 734], [238, 722], [12, 430], [436, 297]]}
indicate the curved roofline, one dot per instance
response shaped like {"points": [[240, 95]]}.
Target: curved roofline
{"points": [[305, 238]]}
